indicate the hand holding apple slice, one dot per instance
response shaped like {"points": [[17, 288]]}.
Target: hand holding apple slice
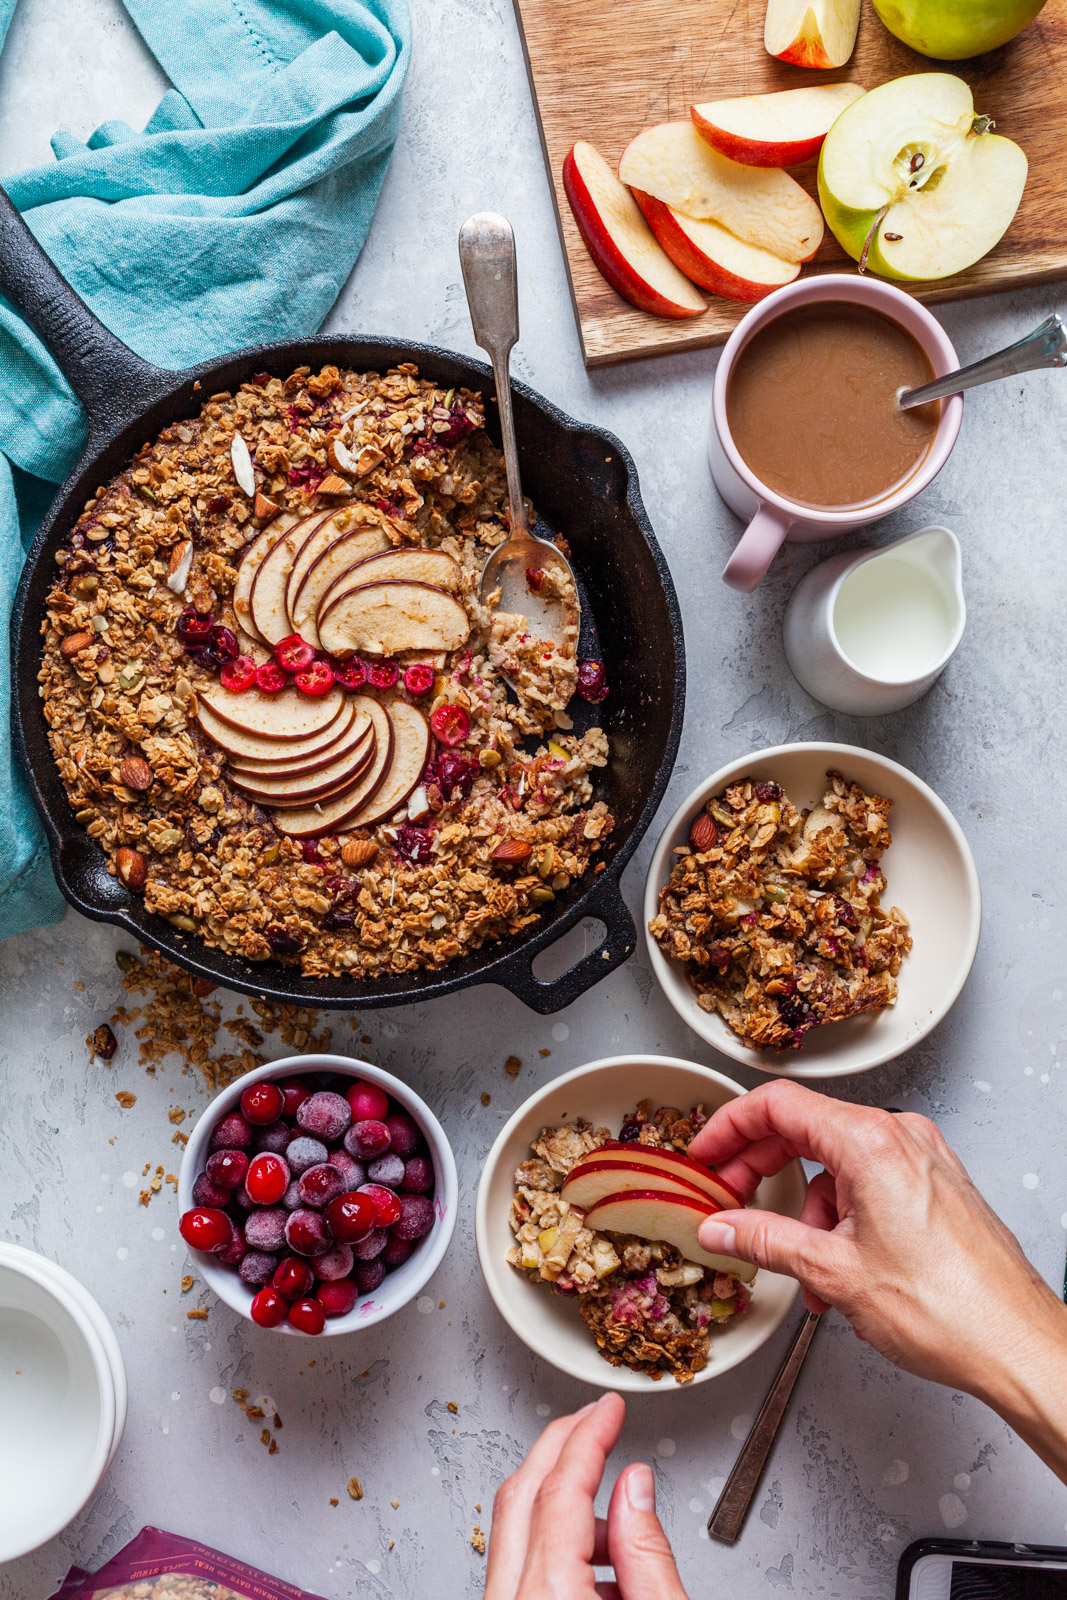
{"points": [[773, 130], [620, 241], [812, 33], [670, 1218], [652, 1159]]}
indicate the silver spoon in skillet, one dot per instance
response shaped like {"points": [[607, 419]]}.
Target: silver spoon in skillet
{"points": [[1045, 347], [534, 578]]}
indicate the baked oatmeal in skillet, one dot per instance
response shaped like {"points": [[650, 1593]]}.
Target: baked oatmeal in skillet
{"points": [[277, 703]]}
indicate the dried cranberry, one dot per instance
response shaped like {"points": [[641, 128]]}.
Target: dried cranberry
{"points": [[768, 791], [383, 674], [629, 1132], [206, 657], [451, 724], [335, 920], [317, 679], [239, 675], [293, 653], [270, 678], [223, 642], [350, 674], [535, 577], [414, 844], [261, 379], [308, 476], [453, 771], [794, 1011], [846, 913], [389, 507], [194, 627], [219, 502], [309, 849], [592, 685], [419, 679], [284, 943], [458, 425]]}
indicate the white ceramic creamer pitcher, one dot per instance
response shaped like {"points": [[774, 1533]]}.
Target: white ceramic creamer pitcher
{"points": [[869, 632]]}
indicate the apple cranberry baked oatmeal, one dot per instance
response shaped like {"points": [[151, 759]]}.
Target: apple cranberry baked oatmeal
{"points": [[647, 1306], [776, 912], [279, 706]]}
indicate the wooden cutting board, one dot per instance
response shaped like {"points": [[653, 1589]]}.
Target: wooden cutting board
{"points": [[604, 69]]}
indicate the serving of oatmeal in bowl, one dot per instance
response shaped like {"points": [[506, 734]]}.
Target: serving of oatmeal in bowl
{"points": [[586, 1229]]}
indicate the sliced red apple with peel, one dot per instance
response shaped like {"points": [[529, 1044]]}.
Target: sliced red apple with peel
{"points": [[251, 770], [763, 206], [278, 717], [248, 566], [811, 33], [300, 789], [345, 522], [592, 1181], [275, 752], [411, 746], [407, 565], [669, 1161], [385, 618], [674, 1219], [330, 816], [267, 597], [714, 257], [333, 560], [621, 242], [773, 130]]}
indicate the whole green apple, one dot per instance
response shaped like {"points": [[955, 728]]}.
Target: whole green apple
{"points": [[954, 29]]}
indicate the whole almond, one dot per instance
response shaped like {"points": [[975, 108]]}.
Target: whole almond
{"points": [[334, 485], [513, 851], [368, 459], [74, 643], [340, 456], [179, 565], [132, 867], [358, 852], [136, 773], [704, 835], [264, 507]]}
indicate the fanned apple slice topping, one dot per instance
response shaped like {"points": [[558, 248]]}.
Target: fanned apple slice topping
{"points": [[276, 717], [248, 566], [411, 746], [386, 618], [331, 815], [267, 597], [331, 549]]}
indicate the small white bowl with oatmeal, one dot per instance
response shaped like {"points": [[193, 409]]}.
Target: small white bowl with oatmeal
{"points": [[620, 1312]]}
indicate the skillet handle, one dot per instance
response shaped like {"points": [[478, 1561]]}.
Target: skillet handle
{"points": [[617, 946], [112, 382]]}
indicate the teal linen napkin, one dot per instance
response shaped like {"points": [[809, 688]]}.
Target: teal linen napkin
{"points": [[235, 217]]}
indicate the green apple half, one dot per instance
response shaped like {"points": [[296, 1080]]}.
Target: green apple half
{"points": [[954, 29], [912, 183]]}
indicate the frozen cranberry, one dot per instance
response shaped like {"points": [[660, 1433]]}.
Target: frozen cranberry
{"points": [[388, 1169], [206, 1228], [418, 1176], [350, 674], [258, 1266], [337, 1298], [419, 679], [268, 1178], [592, 683], [368, 1102], [291, 1199], [404, 1135], [383, 674], [336, 1263], [265, 1229], [353, 1172], [304, 1153], [239, 675], [451, 724], [368, 1248], [262, 1104], [307, 1233], [369, 1275], [367, 1140], [232, 1254], [293, 1278], [194, 627], [307, 1316], [315, 680], [242, 1198], [206, 1193], [768, 791], [277, 1138], [293, 653], [397, 1251], [294, 1092], [227, 1168], [232, 1133], [417, 1217], [268, 1308], [351, 1217], [223, 644], [385, 1203], [325, 1115], [414, 844], [319, 1185], [270, 678], [453, 771]]}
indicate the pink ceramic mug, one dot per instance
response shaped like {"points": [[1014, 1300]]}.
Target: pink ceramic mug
{"points": [[771, 517]]}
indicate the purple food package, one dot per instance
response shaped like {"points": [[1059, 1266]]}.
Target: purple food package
{"points": [[188, 1570]]}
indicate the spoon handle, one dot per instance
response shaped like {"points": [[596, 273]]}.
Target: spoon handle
{"points": [[1045, 347], [731, 1509], [487, 258]]}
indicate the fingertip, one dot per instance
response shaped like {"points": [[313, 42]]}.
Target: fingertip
{"points": [[640, 1486], [717, 1237]]}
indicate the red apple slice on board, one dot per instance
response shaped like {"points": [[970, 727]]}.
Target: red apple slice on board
{"points": [[411, 746], [763, 206], [620, 241], [591, 1181], [385, 618], [773, 130], [357, 519], [249, 769], [673, 1162], [670, 1218], [713, 257], [812, 33], [267, 596], [278, 717], [248, 566], [330, 816], [302, 789], [332, 562]]}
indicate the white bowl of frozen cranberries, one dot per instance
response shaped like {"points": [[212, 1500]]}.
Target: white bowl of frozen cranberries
{"points": [[318, 1195]]}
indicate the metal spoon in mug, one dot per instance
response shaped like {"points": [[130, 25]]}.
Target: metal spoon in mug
{"points": [[1045, 347], [487, 257]]}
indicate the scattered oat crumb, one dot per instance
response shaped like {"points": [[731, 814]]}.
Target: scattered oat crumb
{"points": [[477, 1508], [334, 1500], [544, 1054], [126, 1099], [187, 1282], [395, 1504], [355, 1489], [254, 1413], [176, 1114], [199, 1315], [513, 1066], [478, 1540], [392, 1543], [452, 1406], [180, 1139], [264, 1437], [485, 1098], [78, 984], [277, 1421], [240, 1394], [441, 1307]]}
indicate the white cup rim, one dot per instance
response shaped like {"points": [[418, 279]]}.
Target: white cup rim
{"points": [[938, 665]]}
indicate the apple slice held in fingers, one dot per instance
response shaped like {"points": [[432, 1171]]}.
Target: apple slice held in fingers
{"points": [[713, 257], [773, 130], [620, 241], [330, 816], [811, 33], [385, 618], [591, 1181], [764, 206], [669, 1218], [673, 1162]]}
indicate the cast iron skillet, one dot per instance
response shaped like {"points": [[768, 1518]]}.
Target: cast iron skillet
{"points": [[583, 483]]}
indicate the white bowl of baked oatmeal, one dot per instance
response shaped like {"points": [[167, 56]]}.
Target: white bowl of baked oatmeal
{"points": [[644, 1325], [812, 910]]}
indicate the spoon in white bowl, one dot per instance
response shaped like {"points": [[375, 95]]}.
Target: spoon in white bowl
{"points": [[1045, 347]]}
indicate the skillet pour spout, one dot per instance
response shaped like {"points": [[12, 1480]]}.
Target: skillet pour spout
{"points": [[585, 486]]}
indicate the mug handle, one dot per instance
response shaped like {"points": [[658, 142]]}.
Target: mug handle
{"points": [[758, 547]]}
